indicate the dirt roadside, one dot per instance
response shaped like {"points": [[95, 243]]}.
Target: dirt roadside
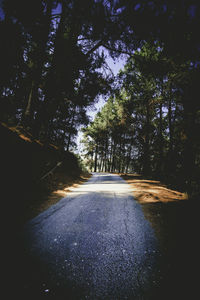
{"points": [[164, 208], [58, 188], [175, 221]]}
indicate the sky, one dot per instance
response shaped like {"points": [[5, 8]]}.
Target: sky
{"points": [[115, 67], [1, 10]]}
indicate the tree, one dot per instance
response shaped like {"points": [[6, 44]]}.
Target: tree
{"points": [[57, 58]]}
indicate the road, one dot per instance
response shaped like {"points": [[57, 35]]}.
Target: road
{"points": [[93, 244]]}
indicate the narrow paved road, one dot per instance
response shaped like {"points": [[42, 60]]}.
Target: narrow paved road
{"points": [[93, 244]]}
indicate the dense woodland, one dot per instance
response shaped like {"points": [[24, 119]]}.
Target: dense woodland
{"points": [[53, 67], [150, 124]]}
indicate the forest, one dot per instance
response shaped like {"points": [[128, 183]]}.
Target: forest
{"points": [[53, 68]]}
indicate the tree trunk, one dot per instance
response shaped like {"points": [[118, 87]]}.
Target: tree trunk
{"points": [[37, 73], [160, 160], [113, 157], [110, 156], [71, 127], [171, 163], [189, 149], [119, 156], [128, 158], [28, 114], [52, 91], [105, 156], [95, 159], [170, 123], [146, 157]]}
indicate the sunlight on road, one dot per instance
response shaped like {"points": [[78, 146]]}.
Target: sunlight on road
{"points": [[100, 182], [97, 240]]}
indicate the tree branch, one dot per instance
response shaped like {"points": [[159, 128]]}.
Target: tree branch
{"points": [[115, 50], [55, 16], [94, 48]]}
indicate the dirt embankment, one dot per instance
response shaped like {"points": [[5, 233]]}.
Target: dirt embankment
{"points": [[60, 188], [164, 207], [175, 221], [33, 174], [152, 191]]}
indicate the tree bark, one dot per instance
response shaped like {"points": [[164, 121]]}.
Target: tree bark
{"points": [[189, 149], [146, 157], [95, 159], [37, 73], [71, 127], [28, 114], [160, 160], [113, 157], [170, 160]]}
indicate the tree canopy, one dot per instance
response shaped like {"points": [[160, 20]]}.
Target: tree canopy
{"points": [[151, 122], [52, 53]]}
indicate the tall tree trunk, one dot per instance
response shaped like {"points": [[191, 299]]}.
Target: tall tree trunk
{"points": [[170, 167], [95, 158], [28, 114], [170, 122], [110, 147], [146, 156], [37, 73], [101, 162], [123, 155], [105, 156], [71, 127], [119, 157], [128, 157], [52, 90], [113, 157], [160, 160], [189, 149]]}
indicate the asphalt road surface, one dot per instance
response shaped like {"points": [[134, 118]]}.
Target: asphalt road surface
{"points": [[93, 244]]}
